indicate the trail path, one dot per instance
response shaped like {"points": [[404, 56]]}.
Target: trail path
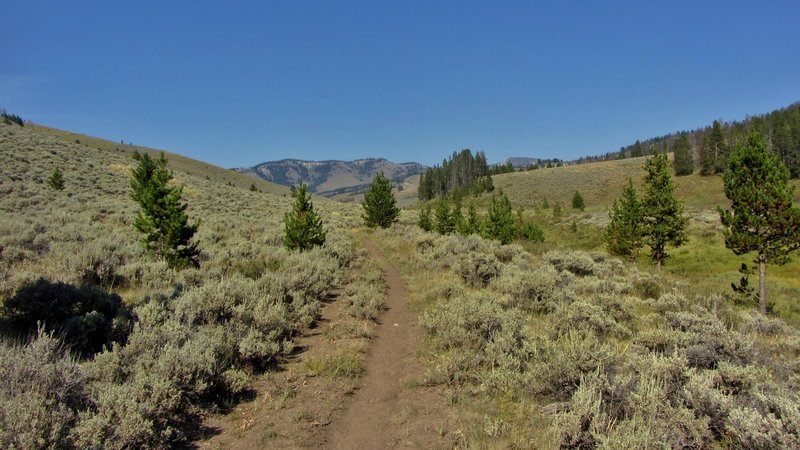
{"points": [[372, 419]]}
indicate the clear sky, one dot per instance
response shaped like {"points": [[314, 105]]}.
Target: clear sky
{"points": [[238, 83]]}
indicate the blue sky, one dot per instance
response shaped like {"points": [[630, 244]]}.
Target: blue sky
{"points": [[238, 83]]}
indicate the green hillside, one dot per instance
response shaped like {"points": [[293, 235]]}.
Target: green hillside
{"points": [[704, 261], [601, 183]]}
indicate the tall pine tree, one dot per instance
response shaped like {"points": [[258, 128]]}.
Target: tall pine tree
{"points": [[379, 204], [162, 217], [762, 218], [623, 235], [684, 156], [663, 221], [302, 226], [714, 153]]}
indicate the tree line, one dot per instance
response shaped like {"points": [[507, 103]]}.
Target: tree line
{"points": [[462, 171], [709, 146]]}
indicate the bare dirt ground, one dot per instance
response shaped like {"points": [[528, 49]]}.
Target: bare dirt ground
{"points": [[388, 410], [384, 407]]}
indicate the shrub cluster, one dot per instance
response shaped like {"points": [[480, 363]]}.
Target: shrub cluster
{"points": [[618, 358]]}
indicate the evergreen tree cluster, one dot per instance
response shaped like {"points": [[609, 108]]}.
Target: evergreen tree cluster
{"points": [[709, 146], [463, 171], [11, 118], [162, 216], [500, 223], [656, 220]]}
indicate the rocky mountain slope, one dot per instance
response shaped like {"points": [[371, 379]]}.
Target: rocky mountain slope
{"points": [[329, 178]]}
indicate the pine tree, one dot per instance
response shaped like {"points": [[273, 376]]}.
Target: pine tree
{"points": [[762, 218], [637, 150], [162, 217], [425, 218], [56, 180], [684, 157], [578, 202], [443, 222], [472, 224], [500, 221], [664, 223], [302, 226], [623, 235], [457, 216], [379, 204], [713, 155]]}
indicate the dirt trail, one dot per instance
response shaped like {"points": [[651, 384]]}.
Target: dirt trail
{"points": [[372, 419]]}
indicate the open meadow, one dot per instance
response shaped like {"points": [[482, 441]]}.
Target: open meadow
{"points": [[467, 343]]}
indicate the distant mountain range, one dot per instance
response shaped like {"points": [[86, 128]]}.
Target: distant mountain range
{"points": [[330, 178]]}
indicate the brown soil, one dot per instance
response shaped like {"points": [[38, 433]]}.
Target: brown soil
{"points": [[383, 408], [387, 410]]}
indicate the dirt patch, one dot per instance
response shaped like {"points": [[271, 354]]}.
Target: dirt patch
{"points": [[389, 409]]}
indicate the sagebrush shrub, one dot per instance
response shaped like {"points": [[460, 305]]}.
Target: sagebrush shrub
{"points": [[42, 390]]}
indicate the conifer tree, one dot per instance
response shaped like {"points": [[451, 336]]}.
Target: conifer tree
{"points": [[302, 226], [162, 217], [425, 218], [762, 218], [379, 204], [637, 150], [500, 221], [623, 234], [713, 155], [578, 202], [456, 215], [444, 223], [471, 224], [664, 223], [56, 180], [684, 157]]}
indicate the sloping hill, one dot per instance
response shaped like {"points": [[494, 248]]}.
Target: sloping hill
{"points": [[175, 344], [600, 183], [333, 177], [177, 162]]}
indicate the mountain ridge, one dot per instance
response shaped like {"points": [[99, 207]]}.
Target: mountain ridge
{"points": [[332, 176]]}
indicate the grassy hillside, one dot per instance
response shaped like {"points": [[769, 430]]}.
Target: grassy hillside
{"points": [[601, 183], [177, 162], [173, 346], [704, 261]]}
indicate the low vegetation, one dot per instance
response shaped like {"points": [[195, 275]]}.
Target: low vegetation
{"points": [[110, 346], [577, 350]]}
